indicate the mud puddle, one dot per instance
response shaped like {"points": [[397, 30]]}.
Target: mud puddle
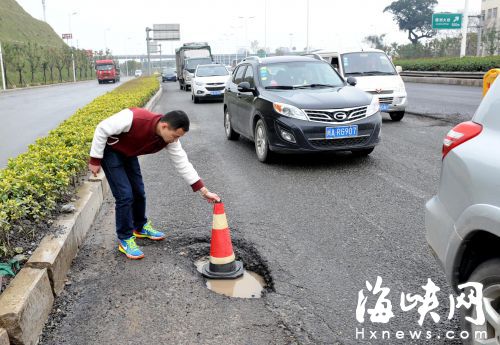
{"points": [[250, 285]]}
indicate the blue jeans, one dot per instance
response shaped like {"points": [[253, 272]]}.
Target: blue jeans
{"points": [[125, 180]]}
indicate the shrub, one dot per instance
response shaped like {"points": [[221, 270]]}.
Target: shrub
{"points": [[34, 182], [465, 64]]}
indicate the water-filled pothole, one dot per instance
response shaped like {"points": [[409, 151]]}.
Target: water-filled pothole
{"points": [[250, 285]]}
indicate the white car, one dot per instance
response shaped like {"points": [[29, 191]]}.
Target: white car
{"points": [[463, 219], [374, 73], [209, 81], [138, 73]]}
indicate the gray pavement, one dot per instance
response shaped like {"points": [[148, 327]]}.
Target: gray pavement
{"points": [[318, 227], [29, 114], [453, 103]]}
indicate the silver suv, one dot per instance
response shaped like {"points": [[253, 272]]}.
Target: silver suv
{"points": [[463, 219]]}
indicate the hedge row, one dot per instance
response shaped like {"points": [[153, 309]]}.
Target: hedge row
{"points": [[455, 64], [33, 183]]}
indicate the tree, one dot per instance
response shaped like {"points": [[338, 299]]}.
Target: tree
{"points": [[254, 46], [68, 60], [34, 57], [59, 56], [490, 40], [19, 60], [44, 62], [52, 60], [376, 41], [414, 16]]}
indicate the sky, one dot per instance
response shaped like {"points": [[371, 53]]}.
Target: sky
{"points": [[227, 25]]}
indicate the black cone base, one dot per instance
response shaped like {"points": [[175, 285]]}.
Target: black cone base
{"points": [[231, 270]]}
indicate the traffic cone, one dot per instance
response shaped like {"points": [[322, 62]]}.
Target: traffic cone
{"points": [[222, 264]]}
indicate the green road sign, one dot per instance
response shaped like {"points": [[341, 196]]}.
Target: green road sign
{"points": [[446, 21]]}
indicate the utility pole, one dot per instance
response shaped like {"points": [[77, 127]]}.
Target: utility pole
{"points": [[160, 58], [147, 44], [465, 24], [43, 5], [1, 68]]}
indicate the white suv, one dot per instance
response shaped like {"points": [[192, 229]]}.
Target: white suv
{"points": [[463, 219], [209, 81], [374, 73]]}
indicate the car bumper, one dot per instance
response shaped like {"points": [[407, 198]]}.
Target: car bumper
{"points": [[310, 136], [204, 93], [169, 79], [442, 237], [398, 102]]}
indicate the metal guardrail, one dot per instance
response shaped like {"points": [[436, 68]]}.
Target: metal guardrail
{"points": [[437, 74]]}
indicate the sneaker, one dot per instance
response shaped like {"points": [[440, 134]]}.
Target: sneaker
{"points": [[130, 249], [148, 232]]}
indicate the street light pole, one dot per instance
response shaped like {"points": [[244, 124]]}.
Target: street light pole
{"points": [[1, 68], [265, 27], [246, 33], [43, 5], [465, 24], [307, 30], [69, 24], [147, 46]]}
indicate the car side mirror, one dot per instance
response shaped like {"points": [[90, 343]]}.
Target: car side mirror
{"points": [[352, 81], [399, 69], [245, 87]]}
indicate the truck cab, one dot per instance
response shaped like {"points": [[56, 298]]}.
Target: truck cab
{"points": [[188, 57], [374, 73], [107, 71]]}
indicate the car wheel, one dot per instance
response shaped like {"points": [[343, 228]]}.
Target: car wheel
{"points": [[181, 87], [196, 99], [488, 274], [397, 115], [362, 152], [99, 82], [230, 133], [187, 88], [262, 143]]}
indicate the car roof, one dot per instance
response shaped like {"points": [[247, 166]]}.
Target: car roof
{"points": [[330, 51], [276, 59], [211, 65]]}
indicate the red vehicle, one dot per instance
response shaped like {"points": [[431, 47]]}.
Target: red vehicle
{"points": [[107, 70]]}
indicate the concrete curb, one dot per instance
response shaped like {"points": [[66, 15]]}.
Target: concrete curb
{"points": [[27, 302], [447, 81]]}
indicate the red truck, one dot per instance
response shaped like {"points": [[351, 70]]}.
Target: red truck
{"points": [[107, 70]]}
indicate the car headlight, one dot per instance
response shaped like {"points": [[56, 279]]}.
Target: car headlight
{"points": [[199, 83], [373, 107], [290, 111], [400, 88]]}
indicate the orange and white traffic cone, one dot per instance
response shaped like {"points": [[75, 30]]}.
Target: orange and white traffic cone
{"points": [[222, 263]]}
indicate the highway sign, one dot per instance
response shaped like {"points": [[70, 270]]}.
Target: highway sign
{"points": [[67, 36], [166, 32], [446, 21]]}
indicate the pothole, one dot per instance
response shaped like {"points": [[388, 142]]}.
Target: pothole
{"points": [[256, 281], [249, 285]]}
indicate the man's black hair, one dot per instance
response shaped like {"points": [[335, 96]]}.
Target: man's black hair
{"points": [[176, 119]]}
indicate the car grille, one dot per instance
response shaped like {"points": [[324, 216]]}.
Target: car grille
{"points": [[336, 115], [382, 92], [387, 100], [215, 88], [340, 142]]}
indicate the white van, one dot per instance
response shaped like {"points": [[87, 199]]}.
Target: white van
{"points": [[374, 73]]}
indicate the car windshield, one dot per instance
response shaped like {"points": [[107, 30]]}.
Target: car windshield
{"points": [[298, 74], [191, 64], [104, 67], [367, 63], [168, 71], [211, 71]]}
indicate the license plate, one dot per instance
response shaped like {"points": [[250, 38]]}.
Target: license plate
{"points": [[384, 106], [341, 132], [216, 93]]}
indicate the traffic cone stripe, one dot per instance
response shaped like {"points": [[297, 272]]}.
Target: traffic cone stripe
{"points": [[221, 246], [222, 261], [220, 222]]}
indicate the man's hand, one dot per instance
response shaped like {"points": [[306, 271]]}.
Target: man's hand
{"points": [[209, 196], [94, 169]]}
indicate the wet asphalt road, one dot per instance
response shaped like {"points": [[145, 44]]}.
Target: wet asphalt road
{"points": [[453, 103], [320, 226], [29, 114]]}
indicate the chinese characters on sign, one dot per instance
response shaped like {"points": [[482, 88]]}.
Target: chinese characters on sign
{"points": [[425, 303]]}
